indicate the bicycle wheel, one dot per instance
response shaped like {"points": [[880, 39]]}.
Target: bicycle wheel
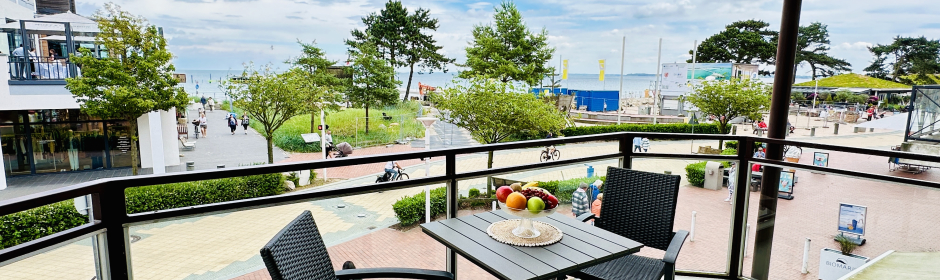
{"points": [[544, 157], [556, 155], [402, 176]]}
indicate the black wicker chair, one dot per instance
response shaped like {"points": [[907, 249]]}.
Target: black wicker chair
{"points": [[297, 253], [640, 206]]}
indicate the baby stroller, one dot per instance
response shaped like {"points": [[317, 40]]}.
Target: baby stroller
{"points": [[343, 150]]}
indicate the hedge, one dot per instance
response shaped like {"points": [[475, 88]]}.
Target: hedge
{"points": [[633, 127], [695, 172], [44, 220], [410, 209]]}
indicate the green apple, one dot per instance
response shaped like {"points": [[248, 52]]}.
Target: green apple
{"points": [[536, 205]]}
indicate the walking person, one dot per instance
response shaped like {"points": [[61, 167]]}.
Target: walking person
{"points": [[596, 205], [579, 201], [637, 144], [245, 123], [732, 171], [203, 124], [328, 140], [203, 101], [19, 61], [232, 123], [211, 104], [646, 144]]}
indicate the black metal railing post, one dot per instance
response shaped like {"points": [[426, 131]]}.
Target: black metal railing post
{"points": [[111, 209], [739, 212], [450, 171], [626, 148], [778, 128]]}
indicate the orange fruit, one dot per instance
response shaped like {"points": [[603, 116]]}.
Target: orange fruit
{"points": [[516, 201]]}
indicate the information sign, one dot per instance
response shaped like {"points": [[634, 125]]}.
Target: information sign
{"points": [[852, 218]]}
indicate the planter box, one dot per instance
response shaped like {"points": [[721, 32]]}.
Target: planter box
{"points": [[833, 264]]}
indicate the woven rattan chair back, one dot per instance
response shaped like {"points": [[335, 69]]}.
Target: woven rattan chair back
{"points": [[640, 206], [297, 252]]}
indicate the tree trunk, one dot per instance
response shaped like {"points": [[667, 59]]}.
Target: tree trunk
{"points": [[133, 137], [411, 73], [270, 141], [367, 118], [795, 66], [489, 179], [313, 123], [722, 129], [813, 67]]}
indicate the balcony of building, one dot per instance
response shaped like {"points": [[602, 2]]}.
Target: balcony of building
{"points": [[39, 50]]}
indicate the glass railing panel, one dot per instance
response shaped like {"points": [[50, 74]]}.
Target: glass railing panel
{"points": [[74, 260], [35, 223]]}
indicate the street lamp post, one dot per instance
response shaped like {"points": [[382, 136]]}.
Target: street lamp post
{"points": [[427, 121]]}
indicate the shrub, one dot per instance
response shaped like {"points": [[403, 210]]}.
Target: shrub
{"points": [[474, 193], [695, 173], [410, 209], [632, 127], [168, 196], [38, 222], [731, 145]]}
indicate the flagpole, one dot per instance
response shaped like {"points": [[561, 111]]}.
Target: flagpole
{"points": [[692, 80], [659, 79], [623, 46]]}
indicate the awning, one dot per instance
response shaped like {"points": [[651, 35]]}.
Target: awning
{"points": [[74, 38], [77, 22], [895, 122]]}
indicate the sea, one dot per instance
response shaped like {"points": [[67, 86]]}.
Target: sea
{"points": [[206, 82]]}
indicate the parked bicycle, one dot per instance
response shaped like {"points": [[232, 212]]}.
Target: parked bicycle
{"points": [[550, 153], [388, 176]]}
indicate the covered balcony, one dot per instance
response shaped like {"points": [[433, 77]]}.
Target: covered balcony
{"points": [[40, 48]]}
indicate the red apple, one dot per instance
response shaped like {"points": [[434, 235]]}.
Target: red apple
{"points": [[551, 202], [503, 192]]}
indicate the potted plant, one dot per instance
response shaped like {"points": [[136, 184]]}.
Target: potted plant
{"points": [[833, 263]]}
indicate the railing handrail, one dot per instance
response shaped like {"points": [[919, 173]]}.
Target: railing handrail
{"points": [[109, 192]]}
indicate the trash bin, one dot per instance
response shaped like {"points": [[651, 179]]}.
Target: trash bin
{"points": [[713, 175]]}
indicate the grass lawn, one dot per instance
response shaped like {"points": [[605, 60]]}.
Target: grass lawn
{"points": [[854, 81], [348, 125]]}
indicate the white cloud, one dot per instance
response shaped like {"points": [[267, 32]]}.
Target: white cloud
{"points": [[852, 46], [664, 9]]}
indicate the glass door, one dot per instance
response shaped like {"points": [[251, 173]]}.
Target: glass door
{"points": [[13, 143]]}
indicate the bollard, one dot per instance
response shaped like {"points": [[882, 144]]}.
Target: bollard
{"points": [[871, 130], [836, 130], [760, 132], [734, 130], [692, 230], [190, 165], [812, 132], [494, 205], [806, 256], [220, 166]]}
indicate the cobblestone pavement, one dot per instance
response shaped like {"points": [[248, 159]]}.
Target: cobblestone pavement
{"points": [[225, 246], [221, 147]]}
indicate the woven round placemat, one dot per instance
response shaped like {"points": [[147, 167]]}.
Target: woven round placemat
{"points": [[502, 232]]}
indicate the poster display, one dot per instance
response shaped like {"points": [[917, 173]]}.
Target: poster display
{"points": [[821, 159], [678, 78], [852, 218], [786, 182]]}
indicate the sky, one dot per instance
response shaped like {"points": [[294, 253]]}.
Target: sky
{"points": [[225, 34]]}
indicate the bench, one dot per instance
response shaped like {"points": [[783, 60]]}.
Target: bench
{"points": [[187, 146], [182, 130]]}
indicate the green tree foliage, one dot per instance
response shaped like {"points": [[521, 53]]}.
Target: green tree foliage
{"points": [[271, 99], [134, 79], [400, 37], [492, 111], [907, 60], [731, 99], [812, 47], [748, 41], [373, 83], [751, 41], [507, 51], [327, 85]]}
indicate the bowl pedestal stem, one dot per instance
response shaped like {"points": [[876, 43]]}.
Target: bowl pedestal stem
{"points": [[526, 229]]}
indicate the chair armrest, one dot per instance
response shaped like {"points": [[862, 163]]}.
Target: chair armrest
{"points": [[586, 217], [393, 272], [672, 252]]}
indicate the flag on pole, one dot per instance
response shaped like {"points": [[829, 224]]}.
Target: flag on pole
{"points": [[601, 77], [564, 71]]}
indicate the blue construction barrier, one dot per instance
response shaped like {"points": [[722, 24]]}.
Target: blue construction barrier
{"points": [[538, 91], [595, 100]]}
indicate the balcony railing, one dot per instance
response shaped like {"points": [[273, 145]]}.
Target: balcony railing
{"points": [[41, 68], [111, 220]]}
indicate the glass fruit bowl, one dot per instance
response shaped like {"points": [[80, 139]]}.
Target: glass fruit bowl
{"points": [[525, 228]]}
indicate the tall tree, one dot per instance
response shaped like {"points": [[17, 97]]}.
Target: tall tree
{"points": [[493, 110], [373, 81], [731, 99], [507, 51], [134, 79], [400, 37], [907, 60], [748, 41], [270, 98], [326, 84], [812, 48]]}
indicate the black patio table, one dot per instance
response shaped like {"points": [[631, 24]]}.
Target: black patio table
{"points": [[582, 246]]}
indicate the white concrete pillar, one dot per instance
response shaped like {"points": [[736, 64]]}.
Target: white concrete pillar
{"points": [[156, 143], [171, 151]]}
